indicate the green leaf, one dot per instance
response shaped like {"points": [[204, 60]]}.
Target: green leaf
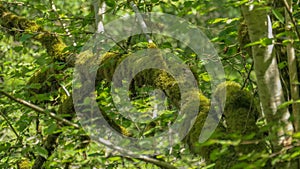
{"points": [[95, 154], [205, 77], [218, 20], [149, 132], [18, 48], [188, 4], [266, 41], [25, 36], [116, 158], [263, 42], [286, 104], [282, 65], [209, 166], [41, 151], [4, 147], [23, 123], [110, 3], [50, 129], [295, 154], [296, 135], [278, 16]]}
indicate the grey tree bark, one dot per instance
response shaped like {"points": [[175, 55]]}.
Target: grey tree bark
{"points": [[267, 74], [292, 66]]}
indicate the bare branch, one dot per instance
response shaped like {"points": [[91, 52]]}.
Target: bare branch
{"points": [[10, 125], [289, 11], [64, 26], [141, 21], [131, 154], [107, 143], [40, 110]]}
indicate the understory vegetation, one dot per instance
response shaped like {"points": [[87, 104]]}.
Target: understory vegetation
{"points": [[49, 52]]}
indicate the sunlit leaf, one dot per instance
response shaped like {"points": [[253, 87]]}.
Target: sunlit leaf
{"points": [[278, 15]]}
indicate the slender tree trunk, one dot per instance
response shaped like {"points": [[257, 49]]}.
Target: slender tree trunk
{"points": [[267, 73], [293, 74], [99, 8], [292, 65]]}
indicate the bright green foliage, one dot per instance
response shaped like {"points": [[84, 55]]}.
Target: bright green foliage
{"points": [[37, 56]]}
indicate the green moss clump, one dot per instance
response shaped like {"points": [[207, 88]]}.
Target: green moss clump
{"points": [[108, 63], [240, 110], [192, 138], [16, 23], [66, 108], [54, 45], [19, 25], [239, 121], [24, 164]]}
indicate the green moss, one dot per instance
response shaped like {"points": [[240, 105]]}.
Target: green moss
{"points": [[66, 108], [240, 115], [243, 38], [192, 138], [20, 25], [84, 58], [17, 23], [54, 45], [24, 164], [108, 64], [151, 45], [240, 110]]}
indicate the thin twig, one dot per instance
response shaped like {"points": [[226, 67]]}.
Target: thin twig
{"points": [[283, 150], [288, 9], [137, 156], [248, 76], [141, 21], [10, 125], [40, 110], [107, 143], [53, 7]]}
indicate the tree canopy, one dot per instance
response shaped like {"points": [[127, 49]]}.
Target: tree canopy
{"points": [[149, 84]]}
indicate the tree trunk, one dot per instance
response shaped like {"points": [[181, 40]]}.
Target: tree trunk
{"points": [[292, 65], [267, 73], [293, 74]]}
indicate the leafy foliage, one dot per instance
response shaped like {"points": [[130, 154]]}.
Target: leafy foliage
{"points": [[32, 67]]}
